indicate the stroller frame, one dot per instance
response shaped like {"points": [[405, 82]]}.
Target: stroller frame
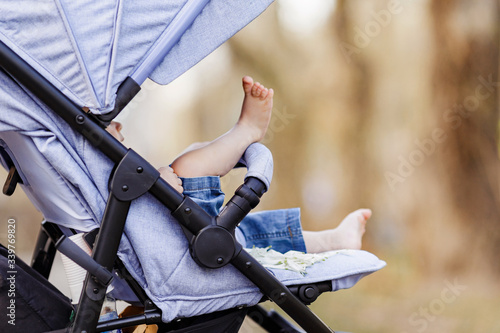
{"points": [[212, 241]]}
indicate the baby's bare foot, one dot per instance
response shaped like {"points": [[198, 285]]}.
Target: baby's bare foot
{"points": [[256, 110], [347, 235]]}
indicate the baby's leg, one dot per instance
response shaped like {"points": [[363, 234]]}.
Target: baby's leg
{"points": [[347, 235], [218, 157]]}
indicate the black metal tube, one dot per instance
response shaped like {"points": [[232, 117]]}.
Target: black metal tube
{"points": [[127, 322], [166, 194], [271, 321], [231, 215], [246, 197], [192, 216], [79, 256], [43, 255], [111, 232], [104, 253], [276, 291]]}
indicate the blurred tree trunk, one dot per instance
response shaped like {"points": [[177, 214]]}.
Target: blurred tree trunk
{"points": [[466, 107], [359, 106]]}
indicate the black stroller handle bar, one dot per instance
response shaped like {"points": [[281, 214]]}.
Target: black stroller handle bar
{"points": [[129, 184]]}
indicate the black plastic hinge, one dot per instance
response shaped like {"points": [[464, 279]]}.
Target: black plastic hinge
{"points": [[125, 93], [133, 177]]}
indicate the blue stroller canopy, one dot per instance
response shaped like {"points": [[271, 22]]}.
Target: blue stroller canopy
{"points": [[86, 48]]}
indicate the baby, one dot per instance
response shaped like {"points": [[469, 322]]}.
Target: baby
{"points": [[218, 157]]}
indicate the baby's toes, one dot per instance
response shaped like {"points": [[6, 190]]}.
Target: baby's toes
{"points": [[263, 93], [367, 213], [247, 83], [270, 94], [256, 89]]}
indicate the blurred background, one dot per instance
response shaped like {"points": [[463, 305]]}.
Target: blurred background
{"points": [[390, 105]]}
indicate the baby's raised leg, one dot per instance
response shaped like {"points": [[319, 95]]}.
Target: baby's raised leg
{"points": [[218, 157], [348, 235]]}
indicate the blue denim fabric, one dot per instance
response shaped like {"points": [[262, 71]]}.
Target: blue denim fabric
{"points": [[281, 229], [206, 192]]}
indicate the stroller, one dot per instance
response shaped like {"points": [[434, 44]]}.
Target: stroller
{"points": [[62, 81]]}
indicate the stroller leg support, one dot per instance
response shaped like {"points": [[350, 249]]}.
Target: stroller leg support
{"points": [[104, 253], [277, 292], [271, 320]]}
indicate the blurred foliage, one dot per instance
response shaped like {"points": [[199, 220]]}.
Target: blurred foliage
{"points": [[391, 105]]}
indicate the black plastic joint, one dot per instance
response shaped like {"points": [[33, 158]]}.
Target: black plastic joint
{"points": [[95, 290], [308, 293], [246, 192], [213, 247], [192, 217], [103, 276], [133, 177], [245, 198], [256, 185], [125, 93]]}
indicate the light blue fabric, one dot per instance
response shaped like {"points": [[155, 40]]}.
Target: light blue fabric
{"points": [[217, 23], [184, 19], [43, 186], [259, 163], [87, 48]]}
